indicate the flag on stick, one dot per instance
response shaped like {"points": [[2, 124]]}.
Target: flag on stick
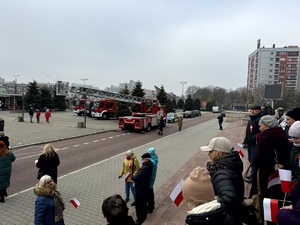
{"points": [[270, 209], [127, 176], [286, 180], [176, 194], [273, 179], [75, 202]]}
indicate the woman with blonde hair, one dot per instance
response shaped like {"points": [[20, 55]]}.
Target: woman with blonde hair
{"points": [[48, 163], [226, 169], [6, 159], [49, 205]]}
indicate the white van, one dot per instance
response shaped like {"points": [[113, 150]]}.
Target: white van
{"points": [[216, 109]]}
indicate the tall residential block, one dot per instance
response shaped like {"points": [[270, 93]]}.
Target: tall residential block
{"points": [[268, 66]]}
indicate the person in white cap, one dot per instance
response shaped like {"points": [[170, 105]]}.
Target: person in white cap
{"points": [[130, 167], [294, 163], [226, 169]]}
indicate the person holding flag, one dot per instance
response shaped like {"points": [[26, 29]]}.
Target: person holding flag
{"points": [[294, 162], [290, 215], [130, 167], [272, 153]]}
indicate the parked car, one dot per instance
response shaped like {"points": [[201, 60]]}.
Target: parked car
{"points": [[172, 117], [197, 112], [188, 114]]}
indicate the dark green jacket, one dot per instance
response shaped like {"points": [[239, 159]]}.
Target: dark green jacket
{"points": [[5, 170]]}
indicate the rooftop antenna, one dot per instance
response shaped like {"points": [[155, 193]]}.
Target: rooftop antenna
{"points": [[48, 76]]}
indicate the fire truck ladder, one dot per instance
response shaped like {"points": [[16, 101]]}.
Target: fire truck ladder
{"points": [[104, 94]]}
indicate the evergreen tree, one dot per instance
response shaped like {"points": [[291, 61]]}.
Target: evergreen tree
{"points": [[180, 104], [46, 98], [169, 106], [188, 105], [123, 107], [138, 90], [174, 104], [32, 96], [59, 102], [197, 104], [162, 96]]}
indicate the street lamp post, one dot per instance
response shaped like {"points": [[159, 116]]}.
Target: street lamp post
{"points": [[16, 81], [84, 110], [183, 83]]}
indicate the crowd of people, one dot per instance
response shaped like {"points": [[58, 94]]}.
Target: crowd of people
{"points": [[213, 192]]}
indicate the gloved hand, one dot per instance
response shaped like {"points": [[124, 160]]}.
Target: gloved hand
{"points": [[119, 177]]}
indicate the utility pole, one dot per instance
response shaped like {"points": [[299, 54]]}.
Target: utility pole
{"points": [[84, 80], [183, 83]]}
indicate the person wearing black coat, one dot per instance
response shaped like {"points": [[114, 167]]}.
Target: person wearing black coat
{"points": [[142, 186], [48, 163], [226, 169], [161, 126]]}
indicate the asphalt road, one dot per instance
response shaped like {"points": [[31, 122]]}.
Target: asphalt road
{"points": [[80, 152]]}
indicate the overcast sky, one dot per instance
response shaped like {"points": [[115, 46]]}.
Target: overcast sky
{"points": [[162, 42]]}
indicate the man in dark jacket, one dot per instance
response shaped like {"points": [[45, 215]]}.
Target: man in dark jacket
{"points": [[142, 185], [251, 131]]}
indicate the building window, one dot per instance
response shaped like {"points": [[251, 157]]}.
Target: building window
{"points": [[270, 70]]}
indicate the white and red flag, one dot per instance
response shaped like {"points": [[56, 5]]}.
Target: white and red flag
{"points": [[176, 194], [270, 209], [75, 202], [241, 153], [286, 180], [127, 176], [274, 179]]}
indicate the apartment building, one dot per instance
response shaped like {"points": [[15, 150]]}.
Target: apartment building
{"points": [[267, 66]]}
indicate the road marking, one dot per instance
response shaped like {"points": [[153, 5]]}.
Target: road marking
{"points": [[86, 143], [96, 141], [103, 139], [76, 146]]}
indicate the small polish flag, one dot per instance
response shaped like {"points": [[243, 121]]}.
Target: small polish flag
{"points": [[241, 153], [270, 209], [75, 202], [176, 194], [273, 179], [286, 180], [127, 176]]}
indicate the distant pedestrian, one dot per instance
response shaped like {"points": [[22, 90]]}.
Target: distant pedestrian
{"points": [[6, 159], [38, 114], [142, 185], [129, 168], [161, 126], [48, 163], [5, 139], [180, 121], [31, 112], [150, 198], [49, 205], [1, 124], [47, 115], [115, 211], [220, 120]]}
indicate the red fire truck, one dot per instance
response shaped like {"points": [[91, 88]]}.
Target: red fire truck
{"points": [[146, 113], [79, 106], [104, 109]]}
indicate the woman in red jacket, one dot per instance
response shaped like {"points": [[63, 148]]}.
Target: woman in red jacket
{"points": [[47, 115]]}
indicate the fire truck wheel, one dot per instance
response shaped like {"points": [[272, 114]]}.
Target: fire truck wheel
{"points": [[105, 116]]}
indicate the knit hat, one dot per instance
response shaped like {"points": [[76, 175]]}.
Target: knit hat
{"points": [[269, 121], [294, 130], [43, 180], [294, 114], [197, 188], [151, 151], [129, 153], [220, 144]]}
